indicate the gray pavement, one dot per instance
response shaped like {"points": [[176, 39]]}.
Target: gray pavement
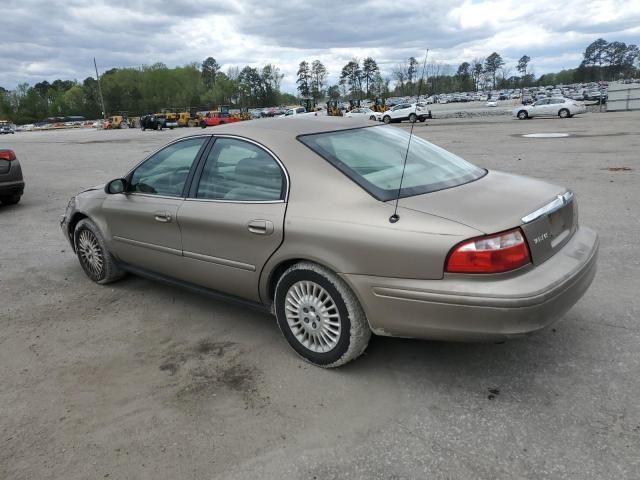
{"points": [[138, 380]]}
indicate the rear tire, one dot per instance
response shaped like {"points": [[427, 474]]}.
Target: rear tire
{"points": [[320, 316], [564, 113], [93, 254], [10, 199], [413, 118]]}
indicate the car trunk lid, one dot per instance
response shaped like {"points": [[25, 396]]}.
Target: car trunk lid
{"points": [[500, 201]]}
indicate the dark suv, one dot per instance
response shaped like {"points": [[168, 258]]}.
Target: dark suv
{"points": [[153, 122], [11, 182]]}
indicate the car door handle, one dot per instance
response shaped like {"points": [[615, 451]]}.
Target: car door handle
{"points": [[162, 217], [260, 227]]}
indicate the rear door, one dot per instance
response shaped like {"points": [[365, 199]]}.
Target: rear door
{"points": [[233, 219], [143, 220], [539, 107]]}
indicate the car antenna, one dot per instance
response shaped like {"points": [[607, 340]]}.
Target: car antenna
{"points": [[395, 217]]}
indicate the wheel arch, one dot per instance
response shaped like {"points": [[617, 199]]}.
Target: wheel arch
{"points": [[71, 227], [271, 275], [275, 273]]}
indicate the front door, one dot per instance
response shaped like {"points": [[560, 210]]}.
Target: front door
{"points": [[143, 220], [233, 219]]}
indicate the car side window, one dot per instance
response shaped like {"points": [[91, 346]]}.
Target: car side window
{"points": [[165, 173], [240, 171]]}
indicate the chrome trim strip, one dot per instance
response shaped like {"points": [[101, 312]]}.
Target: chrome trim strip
{"points": [[220, 261], [231, 201], [559, 202], [152, 195], [150, 246]]}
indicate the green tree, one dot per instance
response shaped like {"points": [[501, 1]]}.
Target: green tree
{"points": [[369, 71], [412, 70], [463, 75], [318, 79], [492, 64], [304, 79], [476, 72], [210, 69], [333, 92], [352, 75], [523, 63]]}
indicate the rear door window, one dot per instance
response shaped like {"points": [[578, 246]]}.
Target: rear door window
{"points": [[239, 171]]}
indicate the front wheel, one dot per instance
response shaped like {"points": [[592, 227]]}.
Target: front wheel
{"points": [[412, 118], [372, 117], [522, 115], [10, 199], [319, 316], [387, 119], [95, 259], [564, 113]]}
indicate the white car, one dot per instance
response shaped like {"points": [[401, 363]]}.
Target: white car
{"points": [[364, 113], [294, 111], [550, 107], [492, 102], [406, 111]]}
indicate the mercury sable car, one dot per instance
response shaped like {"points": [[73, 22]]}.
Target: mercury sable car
{"points": [[299, 216]]}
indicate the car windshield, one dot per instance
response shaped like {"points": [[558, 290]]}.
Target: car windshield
{"points": [[373, 157]]}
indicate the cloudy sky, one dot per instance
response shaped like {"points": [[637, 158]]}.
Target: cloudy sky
{"points": [[45, 40]]}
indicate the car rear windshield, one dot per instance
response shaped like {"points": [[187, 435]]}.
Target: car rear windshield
{"points": [[373, 157]]}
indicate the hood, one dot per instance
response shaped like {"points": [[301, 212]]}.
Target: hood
{"points": [[491, 204], [97, 187]]}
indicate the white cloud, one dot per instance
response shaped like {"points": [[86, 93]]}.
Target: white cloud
{"points": [[44, 40]]}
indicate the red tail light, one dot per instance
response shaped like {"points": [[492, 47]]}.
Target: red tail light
{"points": [[7, 155], [491, 254]]}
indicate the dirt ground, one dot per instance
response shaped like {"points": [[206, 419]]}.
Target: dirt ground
{"points": [[138, 380]]}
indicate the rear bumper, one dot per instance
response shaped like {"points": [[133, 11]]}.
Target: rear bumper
{"points": [[11, 188], [477, 308]]}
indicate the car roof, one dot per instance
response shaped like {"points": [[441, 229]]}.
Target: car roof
{"points": [[266, 128]]}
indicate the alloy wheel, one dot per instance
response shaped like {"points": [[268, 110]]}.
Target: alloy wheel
{"points": [[312, 316], [90, 252]]}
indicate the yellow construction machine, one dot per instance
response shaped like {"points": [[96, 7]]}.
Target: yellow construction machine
{"points": [[379, 105], [333, 109]]}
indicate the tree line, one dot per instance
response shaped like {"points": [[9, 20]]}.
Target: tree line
{"points": [[205, 85], [147, 89]]}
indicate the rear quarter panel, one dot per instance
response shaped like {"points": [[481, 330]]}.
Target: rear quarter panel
{"points": [[334, 222]]}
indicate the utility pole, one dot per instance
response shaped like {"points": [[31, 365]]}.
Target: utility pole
{"points": [[104, 112]]}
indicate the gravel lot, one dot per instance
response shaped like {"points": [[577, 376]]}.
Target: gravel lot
{"points": [[138, 380]]}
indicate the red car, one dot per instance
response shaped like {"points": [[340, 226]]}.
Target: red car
{"points": [[213, 119]]}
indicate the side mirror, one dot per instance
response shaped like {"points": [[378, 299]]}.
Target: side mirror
{"points": [[119, 185]]}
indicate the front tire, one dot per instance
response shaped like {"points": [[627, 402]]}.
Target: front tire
{"points": [[564, 113], [372, 117], [387, 119], [95, 259], [412, 118], [523, 115], [10, 199], [320, 316]]}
